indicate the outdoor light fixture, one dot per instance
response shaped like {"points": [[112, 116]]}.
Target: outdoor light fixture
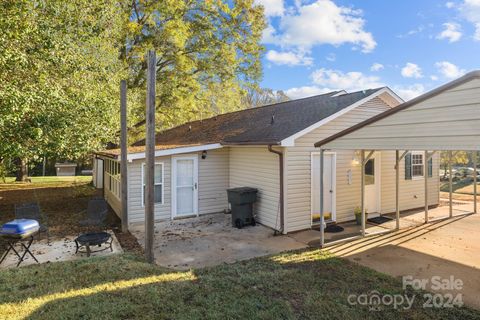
{"points": [[204, 154], [356, 158]]}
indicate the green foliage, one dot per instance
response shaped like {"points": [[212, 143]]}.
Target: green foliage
{"points": [[208, 54], [59, 71], [61, 63], [358, 211], [458, 158]]}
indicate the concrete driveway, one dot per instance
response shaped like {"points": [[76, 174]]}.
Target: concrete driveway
{"points": [[210, 240], [448, 248]]}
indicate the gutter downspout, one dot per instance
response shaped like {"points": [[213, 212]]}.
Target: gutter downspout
{"points": [[282, 211]]}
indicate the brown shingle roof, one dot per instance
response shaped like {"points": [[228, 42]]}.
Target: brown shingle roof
{"points": [[263, 125]]}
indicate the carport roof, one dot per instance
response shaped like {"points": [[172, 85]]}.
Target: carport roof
{"points": [[332, 141]]}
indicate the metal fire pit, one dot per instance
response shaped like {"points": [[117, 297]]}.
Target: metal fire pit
{"points": [[93, 239]]}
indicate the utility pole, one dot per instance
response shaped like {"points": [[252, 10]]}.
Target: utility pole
{"points": [[150, 157], [124, 151]]}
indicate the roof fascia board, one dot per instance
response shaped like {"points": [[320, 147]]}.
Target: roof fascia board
{"points": [[160, 153], [290, 141]]}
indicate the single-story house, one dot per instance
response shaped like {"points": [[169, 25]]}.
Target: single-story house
{"points": [[270, 148], [444, 119]]}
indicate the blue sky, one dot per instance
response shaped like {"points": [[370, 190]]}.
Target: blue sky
{"points": [[412, 46]]}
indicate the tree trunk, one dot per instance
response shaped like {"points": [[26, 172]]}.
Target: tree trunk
{"points": [[22, 171]]}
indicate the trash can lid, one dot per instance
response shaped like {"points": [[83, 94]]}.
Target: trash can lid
{"points": [[243, 190]]}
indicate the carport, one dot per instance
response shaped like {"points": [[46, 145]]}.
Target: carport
{"points": [[444, 119]]}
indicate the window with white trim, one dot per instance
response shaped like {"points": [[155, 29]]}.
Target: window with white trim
{"points": [[417, 164], [112, 174], [158, 194]]}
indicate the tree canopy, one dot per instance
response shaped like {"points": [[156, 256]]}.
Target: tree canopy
{"points": [[208, 54], [58, 73], [61, 63]]}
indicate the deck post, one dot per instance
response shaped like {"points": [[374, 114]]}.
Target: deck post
{"points": [[362, 201], [322, 213], [450, 185], [150, 157], [425, 175], [474, 160], [397, 189], [123, 154]]}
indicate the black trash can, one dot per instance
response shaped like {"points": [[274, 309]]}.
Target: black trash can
{"points": [[241, 200]]}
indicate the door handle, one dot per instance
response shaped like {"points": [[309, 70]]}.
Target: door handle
{"points": [[195, 186], [331, 191]]}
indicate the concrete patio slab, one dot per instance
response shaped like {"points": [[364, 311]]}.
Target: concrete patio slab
{"points": [[57, 250], [211, 240], [443, 248]]}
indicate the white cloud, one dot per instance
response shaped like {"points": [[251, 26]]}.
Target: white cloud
{"points": [[449, 70], [288, 58], [350, 81], [409, 92], [306, 91], [412, 32], [272, 7], [326, 80], [331, 57], [433, 78], [470, 10], [452, 32], [268, 34], [321, 22], [411, 70], [376, 67], [450, 5], [476, 35]]}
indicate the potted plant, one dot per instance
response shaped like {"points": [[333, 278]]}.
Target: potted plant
{"points": [[358, 215]]}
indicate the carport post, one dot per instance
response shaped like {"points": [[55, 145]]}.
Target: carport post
{"points": [[397, 191], [123, 154], [450, 212], [474, 160], [363, 193], [322, 214], [425, 175], [150, 157]]}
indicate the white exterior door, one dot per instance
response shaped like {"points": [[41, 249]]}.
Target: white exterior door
{"points": [[329, 174], [372, 184], [184, 186]]}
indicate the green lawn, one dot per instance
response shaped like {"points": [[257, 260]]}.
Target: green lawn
{"points": [[48, 180], [307, 284], [296, 285]]}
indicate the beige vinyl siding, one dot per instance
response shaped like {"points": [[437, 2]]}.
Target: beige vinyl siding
{"points": [[298, 163], [257, 167], [136, 210], [213, 181], [411, 191], [212, 185], [447, 121]]}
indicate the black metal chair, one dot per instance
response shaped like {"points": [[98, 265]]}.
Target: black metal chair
{"points": [[97, 211], [32, 211]]}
